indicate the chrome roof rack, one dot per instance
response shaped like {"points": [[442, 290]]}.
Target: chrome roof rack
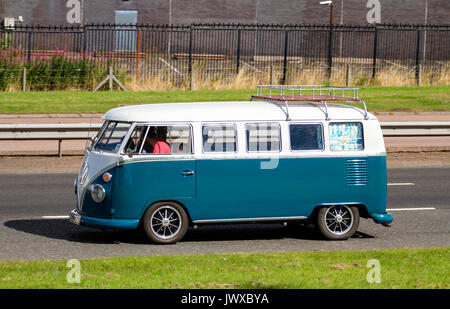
{"points": [[308, 93]]}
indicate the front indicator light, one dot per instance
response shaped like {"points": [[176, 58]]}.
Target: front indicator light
{"points": [[107, 177], [98, 193]]}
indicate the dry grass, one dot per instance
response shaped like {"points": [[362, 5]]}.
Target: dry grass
{"points": [[160, 82], [396, 77], [247, 78], [13, 87], [242, 80], [436, 76]]}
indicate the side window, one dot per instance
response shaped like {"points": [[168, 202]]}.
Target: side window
{"points": [[219, 138], [160, 140], [179, 139], [306, 136], [263, 137], [135, 143], [346, 136]]}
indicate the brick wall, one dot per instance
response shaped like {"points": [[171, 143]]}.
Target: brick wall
{"points": [[53, 12]]}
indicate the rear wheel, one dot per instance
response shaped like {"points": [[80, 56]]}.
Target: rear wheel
{"points": [[165, 222], [338, 222]]}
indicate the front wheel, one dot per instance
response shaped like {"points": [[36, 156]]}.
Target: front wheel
{"points": [[338, 222], [165, 222]]}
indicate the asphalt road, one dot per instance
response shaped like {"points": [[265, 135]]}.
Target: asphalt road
{"points": [[419, 200]]}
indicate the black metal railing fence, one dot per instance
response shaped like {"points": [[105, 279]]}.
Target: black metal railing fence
{"points": [[280, 53]]}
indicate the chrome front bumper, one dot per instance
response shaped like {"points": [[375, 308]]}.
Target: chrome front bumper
{"points": [[75, 217]]}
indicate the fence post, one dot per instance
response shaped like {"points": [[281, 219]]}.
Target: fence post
{"points": [[419, 75], [238, 51], [110, 76], [24, 79], [138, 54], [330, 52], [375, 49], [191, 73], [84, 43], [347, 76], [286, 45], [271, 75], [191, 82], [30, 40], [60, 148], [418, 57]]}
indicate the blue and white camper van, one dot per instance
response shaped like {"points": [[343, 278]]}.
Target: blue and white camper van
{"points": [[285, 155]]}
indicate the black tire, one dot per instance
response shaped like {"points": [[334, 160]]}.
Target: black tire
{"points": [[165, 222], [338, 222]]}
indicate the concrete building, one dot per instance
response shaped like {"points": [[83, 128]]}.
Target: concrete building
{"points": [[360, 12]]}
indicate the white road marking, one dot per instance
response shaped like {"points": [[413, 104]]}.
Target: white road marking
{"points": [[55, 217], [401, 184], [406, 209]]}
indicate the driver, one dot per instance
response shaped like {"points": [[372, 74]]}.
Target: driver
{"points": [[155, 141]]}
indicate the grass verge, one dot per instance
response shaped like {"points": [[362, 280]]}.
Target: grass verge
{"points": [[428, 98], [399, 268]]}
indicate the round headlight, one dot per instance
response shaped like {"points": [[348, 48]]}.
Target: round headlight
{"points": [[98, 193]]}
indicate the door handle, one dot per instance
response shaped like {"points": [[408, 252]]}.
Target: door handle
{"points": [[187, 173]]}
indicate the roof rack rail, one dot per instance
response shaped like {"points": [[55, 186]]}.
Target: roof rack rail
{"points": [[308, 93]]}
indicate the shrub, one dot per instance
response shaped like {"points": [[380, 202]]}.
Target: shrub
{"points": [[51, 73]]}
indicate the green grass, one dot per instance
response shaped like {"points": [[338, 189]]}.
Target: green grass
{"points": [[400, 268], [429, 98]]}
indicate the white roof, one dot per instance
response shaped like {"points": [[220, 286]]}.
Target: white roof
{"points": [[232, 111]]}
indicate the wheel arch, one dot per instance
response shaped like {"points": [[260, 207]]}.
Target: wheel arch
{"points": [[362, 209], [162, 201]]}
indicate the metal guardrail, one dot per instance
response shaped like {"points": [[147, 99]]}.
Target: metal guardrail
{"points": [[48, 131], [82, 131], [59, 132], [411, 129]]}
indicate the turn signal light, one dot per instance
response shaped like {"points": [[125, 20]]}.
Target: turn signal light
{"points": [[107, 177]]}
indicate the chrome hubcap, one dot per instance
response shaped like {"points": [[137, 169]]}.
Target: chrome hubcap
{"points": [[338, 219], [166, 222]]}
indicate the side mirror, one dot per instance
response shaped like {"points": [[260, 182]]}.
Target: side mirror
{"points": [[129, 153]]}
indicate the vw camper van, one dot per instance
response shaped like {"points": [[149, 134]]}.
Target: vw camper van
{"points": [[288, 154]]}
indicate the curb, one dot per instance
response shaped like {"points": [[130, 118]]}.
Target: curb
{"points": [[417, 149]]}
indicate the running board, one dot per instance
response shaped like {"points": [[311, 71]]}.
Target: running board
{"points": [[249, 219]]}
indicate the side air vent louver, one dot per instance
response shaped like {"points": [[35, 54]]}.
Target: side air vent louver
{"points": [[356, 172]]}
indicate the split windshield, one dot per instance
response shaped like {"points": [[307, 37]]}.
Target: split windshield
{"points": [[112, 135]]}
